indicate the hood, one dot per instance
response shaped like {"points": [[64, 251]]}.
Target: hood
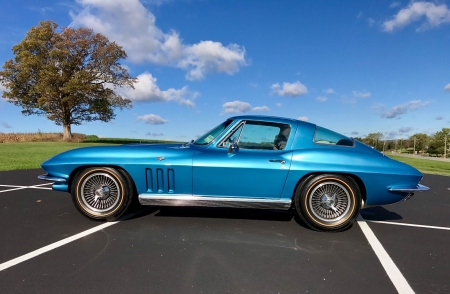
{"points": [[106, 154]]}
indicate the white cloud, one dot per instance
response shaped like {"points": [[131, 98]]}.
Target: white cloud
{"points": [[303, 118], [147, 90], [439, 117], [132, 26], [289, 89], [397, 111], [370, 22], [404, 130], [241, 107], [208, 57], [395, 4], [434, 15], [5, 125], [279, 104], [346, 100], [152, 119], [401, 132], [236, 107], [321, 98], [261, 108], [2, 89], [361, 94], [154, 134], [446, 88], [328, 91]]}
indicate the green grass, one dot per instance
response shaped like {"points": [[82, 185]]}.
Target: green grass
{"points": [[31, 154], [426, 166]]}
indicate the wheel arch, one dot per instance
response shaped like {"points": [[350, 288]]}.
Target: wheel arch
{"points": [[357, 180], [77, 170]]}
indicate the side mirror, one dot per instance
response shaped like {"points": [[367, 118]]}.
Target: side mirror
{"points": [[233, 146]]}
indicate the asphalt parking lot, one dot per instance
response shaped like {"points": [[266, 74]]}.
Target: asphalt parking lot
{"points": [[206, 250]]}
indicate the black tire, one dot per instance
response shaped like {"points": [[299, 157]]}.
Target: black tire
{"points": [[102, 193], [328, 202]]}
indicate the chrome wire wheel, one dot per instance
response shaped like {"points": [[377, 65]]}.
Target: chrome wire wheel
{"points": [[330, 202], [100, 192]]}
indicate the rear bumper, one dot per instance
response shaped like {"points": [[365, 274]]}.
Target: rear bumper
{"points": [[417, 188]]}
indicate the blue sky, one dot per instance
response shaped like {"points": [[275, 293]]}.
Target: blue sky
{"points": [[355, 67]]}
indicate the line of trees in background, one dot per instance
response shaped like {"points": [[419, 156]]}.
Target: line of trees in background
{"points": [[420, 143]]}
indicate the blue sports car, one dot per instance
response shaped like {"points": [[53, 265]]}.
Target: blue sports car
{"points": [[245, 162]]}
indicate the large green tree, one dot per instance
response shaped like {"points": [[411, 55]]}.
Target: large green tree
{"points": [[421, 140], [68, 75]]}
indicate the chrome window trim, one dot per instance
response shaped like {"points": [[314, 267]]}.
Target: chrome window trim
{"points": [[220, 134], [257, 122], [230, 133]]}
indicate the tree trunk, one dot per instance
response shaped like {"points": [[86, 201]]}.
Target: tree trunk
{"points": [[67, 132]]}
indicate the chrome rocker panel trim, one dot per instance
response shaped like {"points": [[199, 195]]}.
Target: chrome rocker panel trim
{"points": [[205, 201], [417, 188], [51, 179]]}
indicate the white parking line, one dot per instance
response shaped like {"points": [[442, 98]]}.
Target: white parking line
{"points": [[389, 266], [25, 187], [409, 225], [62, 242]]}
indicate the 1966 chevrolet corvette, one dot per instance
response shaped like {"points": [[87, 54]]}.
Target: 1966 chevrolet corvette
{"points": [[245, 162]]}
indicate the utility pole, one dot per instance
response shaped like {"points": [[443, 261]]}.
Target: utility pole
{"points": [[445, 146]]}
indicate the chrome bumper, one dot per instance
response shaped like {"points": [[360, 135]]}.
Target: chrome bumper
{"points": [[51, 179], [417, 188]]}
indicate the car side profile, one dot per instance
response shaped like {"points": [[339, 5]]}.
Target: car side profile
{"points": [[245, 162]]}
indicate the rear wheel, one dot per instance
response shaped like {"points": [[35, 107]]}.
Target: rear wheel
{"points": [[328, 202], [102, 193]]}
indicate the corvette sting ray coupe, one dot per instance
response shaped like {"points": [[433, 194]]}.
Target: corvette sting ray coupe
{"points": [[245, 162]]}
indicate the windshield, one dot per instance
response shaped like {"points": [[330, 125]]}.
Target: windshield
{"points": [[211, 135]]}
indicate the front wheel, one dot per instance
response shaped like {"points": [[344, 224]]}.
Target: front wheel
{"points": [[328, 202], [101, 193]]}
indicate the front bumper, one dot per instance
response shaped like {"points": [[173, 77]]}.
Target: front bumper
{"points": [[49, 178], [59, 184]]}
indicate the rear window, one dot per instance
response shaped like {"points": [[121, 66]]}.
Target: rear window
{"points": [[327, 137]]}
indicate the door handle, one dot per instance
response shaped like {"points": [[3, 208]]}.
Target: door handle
{"points": [[278, 160]]}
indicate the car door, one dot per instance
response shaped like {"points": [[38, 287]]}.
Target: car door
{"points": [[256, 168]]}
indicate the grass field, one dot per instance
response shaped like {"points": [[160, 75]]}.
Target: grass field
{"points": [[426, 166], [28, 155]]}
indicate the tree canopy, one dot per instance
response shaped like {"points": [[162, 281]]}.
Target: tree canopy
{"points": [[68, 75]]}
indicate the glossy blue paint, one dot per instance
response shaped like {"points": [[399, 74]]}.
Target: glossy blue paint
{"points": [[210, 171]]}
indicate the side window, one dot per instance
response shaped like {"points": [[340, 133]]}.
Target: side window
{"points": [[325, 136], [264, 136]]}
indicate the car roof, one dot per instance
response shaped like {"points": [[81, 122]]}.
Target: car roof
{"points": [[271, 118]]}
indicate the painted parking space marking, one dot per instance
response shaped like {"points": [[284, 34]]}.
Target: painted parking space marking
{"points": [[65, 241], [388, 264], [409, 225], [16, 187]]}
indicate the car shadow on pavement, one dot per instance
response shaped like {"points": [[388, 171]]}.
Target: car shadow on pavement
{"points": [[379, 213]]}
